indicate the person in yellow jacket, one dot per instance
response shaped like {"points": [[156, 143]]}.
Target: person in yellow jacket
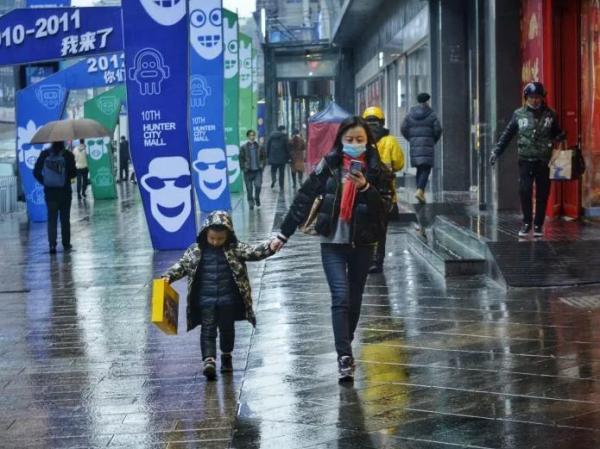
{"points": [[392, 156]]}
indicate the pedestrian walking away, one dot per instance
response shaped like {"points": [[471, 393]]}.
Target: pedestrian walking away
{"points": [[218, 286], [123, 159], [297, 156], [422, 128], [54, 169], [253, 159], [392, 159], [278, 154], [81, 165], [353, 190], [537, 130]]}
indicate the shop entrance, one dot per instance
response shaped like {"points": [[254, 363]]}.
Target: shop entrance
{"points": [[564, 82]]}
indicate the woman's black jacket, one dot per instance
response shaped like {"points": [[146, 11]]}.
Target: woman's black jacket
{"points": [[370, 206]]}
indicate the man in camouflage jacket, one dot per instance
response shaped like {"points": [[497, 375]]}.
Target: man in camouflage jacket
{"points": [[237, 254], [537, 130]]}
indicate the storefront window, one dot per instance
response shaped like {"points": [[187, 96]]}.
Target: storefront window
{"points": [[418, 73], [590, 108]]}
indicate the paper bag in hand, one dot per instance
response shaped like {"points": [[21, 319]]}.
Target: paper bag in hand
{"points": [[165, 306]]}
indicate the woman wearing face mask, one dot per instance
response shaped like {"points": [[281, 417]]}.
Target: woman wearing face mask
{"points": [[349, 221]]}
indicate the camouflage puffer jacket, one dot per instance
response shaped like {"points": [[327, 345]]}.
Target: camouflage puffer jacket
{"points": [[236, 253]]}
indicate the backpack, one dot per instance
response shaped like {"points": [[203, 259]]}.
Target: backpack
{"points": [[54, 170]]}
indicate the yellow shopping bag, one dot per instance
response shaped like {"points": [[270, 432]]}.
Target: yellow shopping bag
{"points": [[165, 306]]}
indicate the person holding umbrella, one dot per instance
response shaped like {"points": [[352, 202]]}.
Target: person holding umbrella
{"points": [[54, 169]]}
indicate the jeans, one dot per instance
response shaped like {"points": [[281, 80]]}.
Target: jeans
{"points": [[82, 181], [300, 176], [253, 180], [59, 205], [274, 169], [123, 170], [346, 269], [423, 172], [530, 171], [216, 316]]}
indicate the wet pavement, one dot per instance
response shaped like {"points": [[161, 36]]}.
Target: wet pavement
{"points": [[441, 364]]}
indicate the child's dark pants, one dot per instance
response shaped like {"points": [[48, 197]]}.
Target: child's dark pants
{"points": [[217, 316]]}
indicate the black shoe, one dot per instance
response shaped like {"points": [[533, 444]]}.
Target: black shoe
{"points": [[210, 368], [346, 369], [52, 250], [226, 363], [68, 248], [538, 231], [251, 206], [376, 268], [525, 230], [84, 195], [78, 196], [257, 203], [272, 185]]}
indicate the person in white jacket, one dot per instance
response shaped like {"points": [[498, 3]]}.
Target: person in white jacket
{"points": [[80, 153]]}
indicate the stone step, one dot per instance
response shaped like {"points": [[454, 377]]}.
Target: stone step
{"points": [[459, 239], [444, 260]]}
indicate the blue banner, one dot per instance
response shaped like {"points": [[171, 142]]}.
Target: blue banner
{"points": [[43, 102], [45, 34], [47, 3], [207, 135], [157, 59]]}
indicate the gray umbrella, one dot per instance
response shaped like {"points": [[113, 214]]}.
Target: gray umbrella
{"points": [[62, 130]]}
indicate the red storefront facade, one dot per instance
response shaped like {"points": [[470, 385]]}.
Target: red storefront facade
{"points": [[560, 46]]}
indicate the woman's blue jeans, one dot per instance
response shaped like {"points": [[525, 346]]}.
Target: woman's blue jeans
{"points": [[346, 269]]}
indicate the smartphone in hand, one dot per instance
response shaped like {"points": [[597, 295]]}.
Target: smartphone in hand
{"points": [[355, 166]]}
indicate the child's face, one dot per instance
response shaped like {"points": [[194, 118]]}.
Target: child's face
{"points": [[216, 238]]}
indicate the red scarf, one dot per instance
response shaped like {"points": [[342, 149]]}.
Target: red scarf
{"points": [[349, 191]]}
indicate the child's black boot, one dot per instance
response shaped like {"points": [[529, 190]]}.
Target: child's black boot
{"points": [[226, 363], [210, 368]]}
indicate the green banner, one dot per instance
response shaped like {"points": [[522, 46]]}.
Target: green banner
{"points": [[105, 109], [231, 99], [254, 87], [245, 85]]}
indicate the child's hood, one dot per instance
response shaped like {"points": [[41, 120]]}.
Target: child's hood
{"points": [[219, 217]]}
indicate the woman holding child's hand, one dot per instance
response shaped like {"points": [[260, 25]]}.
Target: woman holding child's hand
{"points": [[350, 222]]}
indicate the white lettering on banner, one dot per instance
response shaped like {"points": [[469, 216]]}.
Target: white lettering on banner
{"points": [[76, 44], [153, 131], [44, 26], [199, 132]]}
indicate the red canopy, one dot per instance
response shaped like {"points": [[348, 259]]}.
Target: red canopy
{"points": [[322, 128]]}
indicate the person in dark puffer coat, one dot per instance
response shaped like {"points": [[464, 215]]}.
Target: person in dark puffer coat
{"points": [[218, 286], [422, 129]]}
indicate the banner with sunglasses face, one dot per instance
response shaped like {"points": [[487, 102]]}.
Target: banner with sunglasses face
{"points": [[105, 109], [206, 133], [43, 102], [231, 99], [155, 33]]}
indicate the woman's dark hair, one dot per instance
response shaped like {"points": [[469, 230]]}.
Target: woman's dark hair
{"points": [[250, 131], [352, 122], [57, 146]]}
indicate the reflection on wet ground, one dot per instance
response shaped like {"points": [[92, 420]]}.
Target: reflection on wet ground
{"points": [[456, 363]]}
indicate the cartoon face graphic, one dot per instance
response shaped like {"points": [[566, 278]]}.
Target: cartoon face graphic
{"points": [[169, 184], [245, 64], [165, 12], [206, 31], [149, 71], [97, 148], [108, 104], [50, 95], [103, 177], [199, 90], [211, 166], [28, 152], [233, 163], [37, 196], [231, 47]]}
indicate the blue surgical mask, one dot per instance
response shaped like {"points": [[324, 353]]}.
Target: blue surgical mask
{"points": [[354, 150]]}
